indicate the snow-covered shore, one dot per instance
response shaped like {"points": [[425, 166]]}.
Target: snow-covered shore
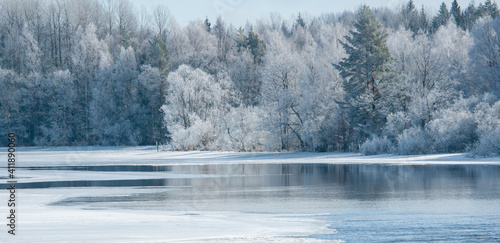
{"points": [[69, 156]]}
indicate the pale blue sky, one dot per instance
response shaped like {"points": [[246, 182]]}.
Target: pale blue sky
{"points": [[238, 12]]}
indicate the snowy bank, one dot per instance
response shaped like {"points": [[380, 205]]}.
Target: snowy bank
{"points": [[69, 156]]}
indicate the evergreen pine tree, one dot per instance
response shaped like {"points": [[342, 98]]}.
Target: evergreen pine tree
{"points": [[470, 17], [362, 71], [241, 39], [456, 13], [441, 18], [424, 22], [491, 9], [158, 55], [208, 25], [252, 42], [256, 46], [300, 22], [410, 17]]}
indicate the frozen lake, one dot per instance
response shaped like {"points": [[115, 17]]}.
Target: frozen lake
{"points": [[260, 202]]}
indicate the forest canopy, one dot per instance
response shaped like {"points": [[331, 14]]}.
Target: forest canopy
{"points": [[377, 80]]}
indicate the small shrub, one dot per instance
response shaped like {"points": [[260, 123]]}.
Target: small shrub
{"points": [[452, 131], [376, 145], [413, 141], [396, 124], [488, 144]]}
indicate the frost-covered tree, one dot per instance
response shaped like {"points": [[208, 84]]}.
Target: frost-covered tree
{"points": [[58, 128], [89, 55], [453, 130], [161, 20], [246, 76], [484, 64], [11, 117], [424, 79], [409, 15], [116, 113], [194, 104], [280, 97], [126, 22], [453, 44], [224, 41], [246, 66], [193, 46], [242, 130], [487, 115], [21, 51], [33, 105], [152, 91], [429, 84], [396, 91]]}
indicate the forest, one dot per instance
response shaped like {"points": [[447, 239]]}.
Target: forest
{"points": [[375, 81]]}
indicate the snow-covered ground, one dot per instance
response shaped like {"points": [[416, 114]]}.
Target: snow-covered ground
{"points": [[72, 156], [47, 215]]}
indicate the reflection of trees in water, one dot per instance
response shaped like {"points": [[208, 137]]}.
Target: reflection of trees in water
{"points": [[361, 181], [199, 186]]}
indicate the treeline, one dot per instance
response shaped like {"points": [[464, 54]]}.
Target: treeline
{"points": [[377, 81]]}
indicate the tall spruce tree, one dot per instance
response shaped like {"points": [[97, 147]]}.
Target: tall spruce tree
{"points": [[410, 17], [470, 17], [456, 13], [441, 18], [300, 22], [491, 9], [208, 25], [362, 72], [423, 21]]}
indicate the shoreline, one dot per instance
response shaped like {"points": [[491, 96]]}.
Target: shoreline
{"points": [[147, 155]]}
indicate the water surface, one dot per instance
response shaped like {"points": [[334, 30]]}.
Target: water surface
{"points": [[359, 202]]}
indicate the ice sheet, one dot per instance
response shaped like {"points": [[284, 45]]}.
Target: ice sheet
{"points": [[39, 221]]}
